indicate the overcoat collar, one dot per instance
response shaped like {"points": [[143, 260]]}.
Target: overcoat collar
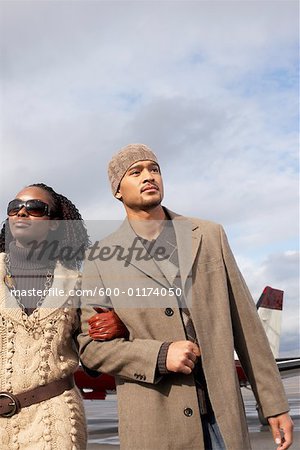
{"points": [[188, 237]]}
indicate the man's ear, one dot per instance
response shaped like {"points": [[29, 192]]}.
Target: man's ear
{"points": [[54, 224], [118, 195]]}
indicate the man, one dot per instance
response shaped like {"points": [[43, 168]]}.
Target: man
{"points": [[176, 379]]}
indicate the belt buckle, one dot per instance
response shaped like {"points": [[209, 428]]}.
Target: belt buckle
{"points": [[15, 406]]}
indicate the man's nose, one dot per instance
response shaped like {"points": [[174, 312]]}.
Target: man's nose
{"points": [[148, 175]]}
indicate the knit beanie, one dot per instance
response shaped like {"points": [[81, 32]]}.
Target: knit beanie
{"points": [[127, 156]]}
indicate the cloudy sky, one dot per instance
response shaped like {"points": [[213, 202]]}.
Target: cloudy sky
{"points": [[211, 86]]}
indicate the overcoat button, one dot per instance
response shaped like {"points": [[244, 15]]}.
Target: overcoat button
{"points": [[188, 412], [169, 312]]}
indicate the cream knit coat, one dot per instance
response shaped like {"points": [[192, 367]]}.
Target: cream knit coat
{"points": [[27, 362]]}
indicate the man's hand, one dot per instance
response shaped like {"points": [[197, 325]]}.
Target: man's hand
{"points": [[282, 430], [106, 325], [181, 356]]}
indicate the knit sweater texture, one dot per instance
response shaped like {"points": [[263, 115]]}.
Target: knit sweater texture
{"points": [[28, 360]]}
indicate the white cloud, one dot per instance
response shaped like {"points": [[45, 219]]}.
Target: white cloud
{"points": [[212, 86]]}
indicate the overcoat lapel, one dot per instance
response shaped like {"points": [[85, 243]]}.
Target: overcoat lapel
{"points": [[125, 238], [188, 237]]}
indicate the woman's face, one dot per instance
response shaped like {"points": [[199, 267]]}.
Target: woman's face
{"points": [[26, 228]]}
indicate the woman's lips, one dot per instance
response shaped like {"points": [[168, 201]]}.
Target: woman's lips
{"points": [[21, 224]]}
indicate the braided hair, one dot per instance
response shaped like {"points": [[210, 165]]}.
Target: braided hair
{"points": [[71, 234]]}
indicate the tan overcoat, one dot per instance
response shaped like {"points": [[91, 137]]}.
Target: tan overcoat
{"points": [[155, 412]]}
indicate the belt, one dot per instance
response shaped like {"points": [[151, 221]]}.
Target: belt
{"points": [[10, 404]]}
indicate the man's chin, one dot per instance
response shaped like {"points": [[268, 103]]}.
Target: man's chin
{"points": [[151, 204]]}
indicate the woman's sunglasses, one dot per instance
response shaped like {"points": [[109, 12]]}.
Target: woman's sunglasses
{"points": [[35, 208]]}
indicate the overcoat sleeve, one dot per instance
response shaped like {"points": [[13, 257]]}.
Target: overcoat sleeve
{"points": [[135, 359], [250, 340]]}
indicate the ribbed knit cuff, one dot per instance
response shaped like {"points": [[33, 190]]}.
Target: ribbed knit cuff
{"points": [[162, 358]]}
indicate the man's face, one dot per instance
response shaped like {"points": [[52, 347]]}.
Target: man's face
{"points": [[141, 188]]}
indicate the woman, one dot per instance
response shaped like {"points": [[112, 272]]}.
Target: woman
{"points": [[42, 246]]}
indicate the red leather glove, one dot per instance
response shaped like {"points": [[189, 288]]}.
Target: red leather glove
{"points": [[106, 325]]}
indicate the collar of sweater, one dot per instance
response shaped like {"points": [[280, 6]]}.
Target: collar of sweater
{"points": [[28, 259]]}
